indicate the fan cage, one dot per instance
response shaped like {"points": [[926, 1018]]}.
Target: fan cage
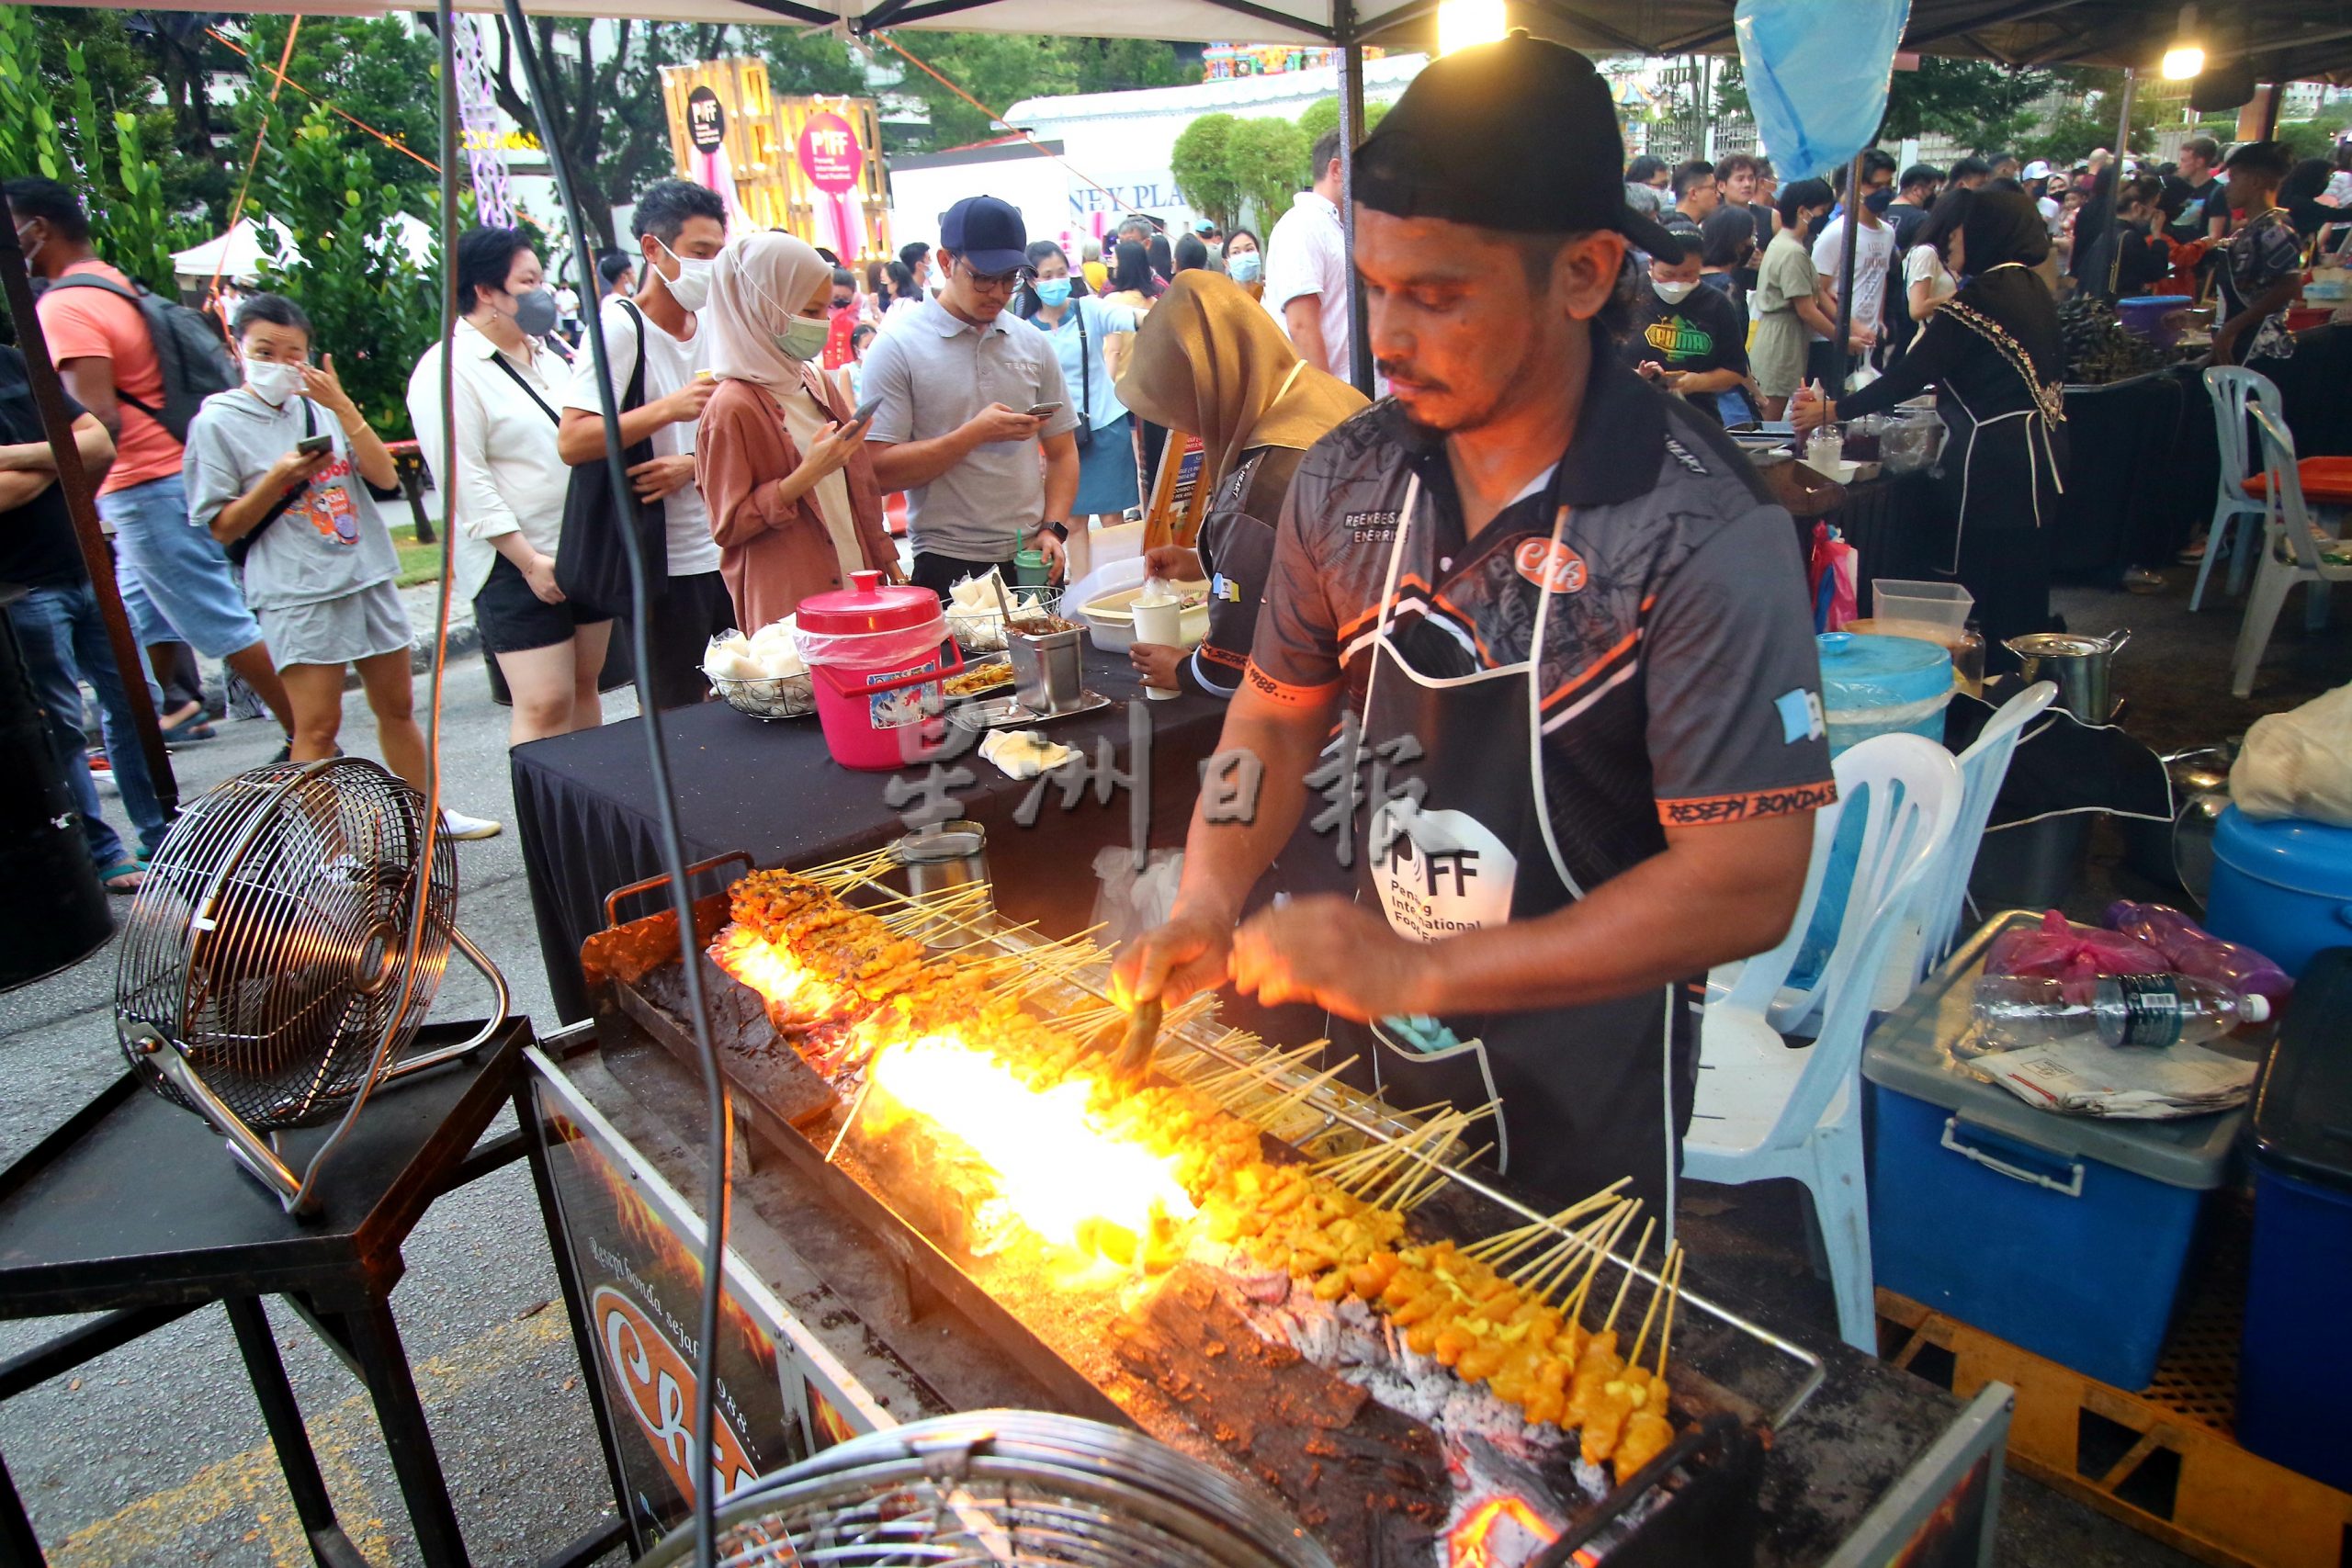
{"points": [[270, 940], [997, 1488]]}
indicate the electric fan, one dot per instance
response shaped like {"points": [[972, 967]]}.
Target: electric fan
{"points": [[998, 1488], [271, 969]]}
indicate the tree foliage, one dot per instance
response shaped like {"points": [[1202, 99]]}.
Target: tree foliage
{"points": [[1202, 171], [1323, 115], [1983, 106], [1269, 160], [382, 72], [1002, 69], [369, 305]]}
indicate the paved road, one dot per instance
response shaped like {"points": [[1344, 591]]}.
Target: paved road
{"points": [[156, 1453]]}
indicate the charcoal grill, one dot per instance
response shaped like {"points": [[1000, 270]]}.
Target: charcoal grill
{"points": [[1734, 1380]]}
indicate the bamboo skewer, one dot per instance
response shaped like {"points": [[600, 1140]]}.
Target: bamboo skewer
{"points": [[1665, 1275], [1626, 1284], [1574, 1306], [1670, 1281], [1589, 1240]]}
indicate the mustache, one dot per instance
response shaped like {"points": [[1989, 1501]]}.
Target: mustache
{"points": [[1404, 369]]}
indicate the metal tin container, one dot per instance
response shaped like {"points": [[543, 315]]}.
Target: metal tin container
{"points": [[1047, 675], [2079, 664]]}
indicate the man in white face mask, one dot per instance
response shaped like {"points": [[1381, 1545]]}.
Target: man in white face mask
{"points": [[1689, 339], [681, 226]]}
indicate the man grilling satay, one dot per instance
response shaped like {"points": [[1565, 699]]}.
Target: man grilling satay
{"points": [[1576, 636]]}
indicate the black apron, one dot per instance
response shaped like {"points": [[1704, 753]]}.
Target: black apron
{"points": [[1582, 1092]]}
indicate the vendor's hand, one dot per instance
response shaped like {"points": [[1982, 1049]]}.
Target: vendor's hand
{"points": [[322, 387], [1863, 342], [998, 423], [1156, 662], [1056, 552], [1808, 413], [1191, 953], [1332, 953], [540, 575], [685, 405], [832, 448], [1178, 563], [1649, 370], [658, 477]]}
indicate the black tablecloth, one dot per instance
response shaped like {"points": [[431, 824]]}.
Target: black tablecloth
{"points": [[584, 809]]}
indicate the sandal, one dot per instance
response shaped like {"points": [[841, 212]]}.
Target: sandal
{"points": [[124, 879], [195, 726]]}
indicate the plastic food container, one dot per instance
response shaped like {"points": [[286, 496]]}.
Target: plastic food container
{"points": [[1943, 605], [2282, 887], [2292, 1365], [2066, 1236], [1104, 598], [2150, 316], [1883, 686], [877, 651]]}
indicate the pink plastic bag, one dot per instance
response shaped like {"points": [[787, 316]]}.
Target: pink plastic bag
{"points": [[2054, 950], [2190, 948]]}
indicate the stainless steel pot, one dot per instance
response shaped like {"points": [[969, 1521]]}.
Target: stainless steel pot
{"points": [[2078, 663], [2200, 788], [1047, 676]]}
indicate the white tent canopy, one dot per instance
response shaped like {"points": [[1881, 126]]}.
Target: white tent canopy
{"points": [[239, 255]]}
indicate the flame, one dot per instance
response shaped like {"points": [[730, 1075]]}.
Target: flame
{"points": [[788, 988], [1055, 1166], [1471, 1543]]}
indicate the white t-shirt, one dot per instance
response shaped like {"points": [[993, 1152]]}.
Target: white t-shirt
{"points": [[669, 365], [1874, 258], [1307, 254], [1923, 265]]}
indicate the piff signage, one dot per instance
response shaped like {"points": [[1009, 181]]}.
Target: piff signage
{"points": [[830, 154]]}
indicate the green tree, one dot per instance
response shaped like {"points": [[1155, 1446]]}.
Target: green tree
{"points": [[2315, 137], [1202, 171], [110, 61], [369, 305], [602, 105], [807, 62], [999, 69], [380, 72], [1122, 64], [1268, 158], [1983, 106], [2086, 120], [1323, 115]]}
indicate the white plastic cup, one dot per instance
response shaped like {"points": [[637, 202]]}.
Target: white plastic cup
{"points": [[1163, 625]]}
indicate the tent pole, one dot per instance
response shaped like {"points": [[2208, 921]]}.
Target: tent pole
{"points": [[74, 484], [1845, 280], [2270, 103], [1343, 24], [2115, 186]]}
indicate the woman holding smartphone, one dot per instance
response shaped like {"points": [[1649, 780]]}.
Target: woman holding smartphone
{"points": [[780, 456]]}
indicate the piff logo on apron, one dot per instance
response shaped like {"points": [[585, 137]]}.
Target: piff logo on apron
{"points": [[1443, 873]]}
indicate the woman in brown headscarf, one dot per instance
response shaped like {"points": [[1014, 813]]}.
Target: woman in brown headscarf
{"points": [[791, 492], [1210, 362]]}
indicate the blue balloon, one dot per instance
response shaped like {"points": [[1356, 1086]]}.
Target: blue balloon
{"points": [[1816, 75]]}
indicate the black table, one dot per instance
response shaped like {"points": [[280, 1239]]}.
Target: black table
{"points": [[584, 809]]}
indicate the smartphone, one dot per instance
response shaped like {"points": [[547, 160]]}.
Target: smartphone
{"points": [[1042, 411], [866, 412], [312, 445]]}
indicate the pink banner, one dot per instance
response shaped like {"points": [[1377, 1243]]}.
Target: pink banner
{"points": [[831, 158]]}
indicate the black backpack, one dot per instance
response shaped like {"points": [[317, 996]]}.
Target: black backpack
{"points": [[188, 351]]}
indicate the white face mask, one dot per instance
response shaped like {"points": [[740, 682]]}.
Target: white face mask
{"points": [[690, 287], [1672, 293], [273, 382]]}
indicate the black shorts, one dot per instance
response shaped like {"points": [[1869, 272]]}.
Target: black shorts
{"points": [[512, 619], [939, 573], [693, 610]]}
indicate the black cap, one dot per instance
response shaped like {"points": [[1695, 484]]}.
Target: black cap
{"points": [[988, 234], [1446, 150]]}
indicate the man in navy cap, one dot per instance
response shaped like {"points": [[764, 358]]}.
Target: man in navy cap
{"points": [[968, 394], [1554, 616]]}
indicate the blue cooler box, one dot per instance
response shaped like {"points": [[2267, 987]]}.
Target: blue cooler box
{"points": [[2066, 1236], [2294, 1377], [2283, 887]]}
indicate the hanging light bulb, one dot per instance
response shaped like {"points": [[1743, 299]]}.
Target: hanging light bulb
{"points": [[1460, 23], [2186, 58]]}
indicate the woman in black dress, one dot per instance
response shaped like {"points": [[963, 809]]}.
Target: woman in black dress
{"points": [[1994, 353]]}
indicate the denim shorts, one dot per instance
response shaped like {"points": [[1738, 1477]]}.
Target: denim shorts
{"points": [[180, 566]]}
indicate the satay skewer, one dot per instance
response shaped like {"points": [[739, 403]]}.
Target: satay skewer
{"points": [[1609, 1322]]}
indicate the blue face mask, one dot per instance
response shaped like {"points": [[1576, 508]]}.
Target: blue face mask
{"points": [[1053, 293], [1243, 267]]}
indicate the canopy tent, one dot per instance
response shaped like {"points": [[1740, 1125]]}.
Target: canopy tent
{"points": [[2283, 40], [240, 256]]}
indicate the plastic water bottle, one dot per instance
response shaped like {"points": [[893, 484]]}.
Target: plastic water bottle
{"points": [[2016, 1011]]}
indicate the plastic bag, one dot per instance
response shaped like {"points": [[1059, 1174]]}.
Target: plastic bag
{"points": [[899, 648], [2190, 948], [1817, 72], [2054, 950], [2299, 764], [1832, 574]]}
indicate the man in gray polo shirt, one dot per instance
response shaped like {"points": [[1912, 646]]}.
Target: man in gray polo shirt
{"points": [[968, 394]]}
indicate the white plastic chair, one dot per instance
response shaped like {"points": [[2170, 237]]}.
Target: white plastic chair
{"points": [[2233, 390], [2290, 554], [1982, 767], [1766, 1110]]}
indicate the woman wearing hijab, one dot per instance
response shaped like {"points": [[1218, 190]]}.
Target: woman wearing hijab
{"points": [[1210, 362], [1090, 338], [1994, 355], [790, 488]]}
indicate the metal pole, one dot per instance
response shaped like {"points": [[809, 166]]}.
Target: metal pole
{"points": [[2270, 110], [2115, 186], [1846, 281], [1343, 18], [82, 505]]}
